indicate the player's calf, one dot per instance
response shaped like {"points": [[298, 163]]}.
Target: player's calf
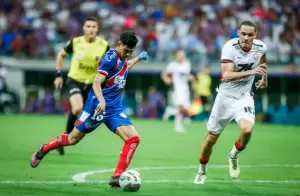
{"points": [[206, 150], [132, 140], [59, 141]]}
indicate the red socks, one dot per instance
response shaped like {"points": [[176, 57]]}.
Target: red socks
{"points": [[239, 147], [204, 160], [61, 140], [126, 155]]}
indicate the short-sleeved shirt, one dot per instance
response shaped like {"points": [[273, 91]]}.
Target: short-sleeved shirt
{"points": [[180, 74], [85, 58], [242, 61]]}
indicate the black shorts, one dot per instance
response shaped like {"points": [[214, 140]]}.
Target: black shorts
{"points": [[204, 99], [75, 87]]}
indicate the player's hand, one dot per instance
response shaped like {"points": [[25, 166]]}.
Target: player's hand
{"points": [[263, 66], [259, 70], [143, 56], [168, 81], [260, 84], [58, 82], [101, 107]]}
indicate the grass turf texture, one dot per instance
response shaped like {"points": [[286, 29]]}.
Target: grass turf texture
{"points": [[160, 146]]}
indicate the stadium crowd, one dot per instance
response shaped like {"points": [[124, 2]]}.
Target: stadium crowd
{"points": [[39, 28]]}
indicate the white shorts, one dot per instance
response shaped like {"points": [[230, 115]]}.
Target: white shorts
{"points": [[182, 98], [227, 108]]}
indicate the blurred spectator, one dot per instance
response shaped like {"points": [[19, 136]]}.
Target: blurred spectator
{"points": [[48, 101], [156, 102], [202, 88], [163, 26], [31, 103]]}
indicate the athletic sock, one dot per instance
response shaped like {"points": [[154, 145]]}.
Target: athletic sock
{"points": [[179, 122], [236, 149], [61, 140], [126, 155], [203, 165], [70, 123]]}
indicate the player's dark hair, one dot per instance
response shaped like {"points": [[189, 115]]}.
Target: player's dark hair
{"points": [[90, 18], [129, 39], [248, 23]]}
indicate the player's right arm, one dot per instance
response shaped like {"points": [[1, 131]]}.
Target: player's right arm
{"points": [[99, 80], [228, 74], [68, 49], [165, 75], [105, 66]]}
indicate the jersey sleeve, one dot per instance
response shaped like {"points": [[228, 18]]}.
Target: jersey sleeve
{"points": [[107, 63], [227, 53], [169, 68], [68, 48]]}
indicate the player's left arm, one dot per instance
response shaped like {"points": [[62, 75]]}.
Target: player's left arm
{"points": [[263, 83], [141, 57]]}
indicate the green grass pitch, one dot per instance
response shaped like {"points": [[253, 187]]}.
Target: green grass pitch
{"points": [[269, 166]]}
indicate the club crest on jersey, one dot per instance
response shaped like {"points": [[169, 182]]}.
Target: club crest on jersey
{"points": [[97, 58], [256, 55]]}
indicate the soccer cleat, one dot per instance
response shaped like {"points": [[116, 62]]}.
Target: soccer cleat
{"points": [[61, 151], [200, 178], [234, 168], [114, 182], [37, 157]]}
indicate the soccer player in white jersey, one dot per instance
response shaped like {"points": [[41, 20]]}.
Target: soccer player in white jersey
{"points": [[178, 74], [242, 59]]}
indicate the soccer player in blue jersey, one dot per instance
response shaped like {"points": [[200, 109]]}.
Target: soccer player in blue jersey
{"points": [[104, 106]]}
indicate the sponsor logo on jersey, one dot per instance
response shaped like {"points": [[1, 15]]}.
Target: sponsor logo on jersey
{"points": [[119, 80]]}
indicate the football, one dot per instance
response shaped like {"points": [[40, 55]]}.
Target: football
{"points": [[130, 181]]}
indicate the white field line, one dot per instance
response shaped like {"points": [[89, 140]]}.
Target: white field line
{"points": [[147, 181], [80, 177]]}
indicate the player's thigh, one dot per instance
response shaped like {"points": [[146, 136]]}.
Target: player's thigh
{"points": [[245, 114], [182, 100], [89, 120], [76, 101], [245, 109], [222, 113], [75, 95], [121, 125]]}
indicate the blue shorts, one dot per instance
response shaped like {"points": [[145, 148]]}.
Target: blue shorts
{"points": [[89, 120]]}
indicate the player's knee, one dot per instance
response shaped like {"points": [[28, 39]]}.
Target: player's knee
{"points": [[211, 138], [73, 140], [77, 109], [246, 128]]}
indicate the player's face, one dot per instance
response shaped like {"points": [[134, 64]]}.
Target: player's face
{"points": [[90, 29], [123, 50], [246, 35], [180, 56]]}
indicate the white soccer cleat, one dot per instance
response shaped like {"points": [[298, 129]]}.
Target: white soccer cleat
{"points": [[234, 167], [200, 178]]}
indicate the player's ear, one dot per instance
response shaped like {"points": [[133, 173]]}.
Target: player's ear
{"points": [[118, 43]]}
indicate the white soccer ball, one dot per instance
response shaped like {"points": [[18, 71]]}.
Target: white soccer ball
{"points": [[130, 181]]}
